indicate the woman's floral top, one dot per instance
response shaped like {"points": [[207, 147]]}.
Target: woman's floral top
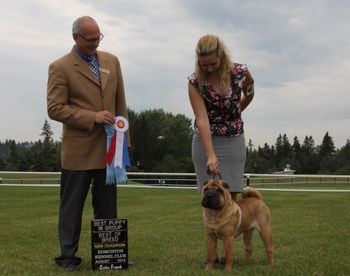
{"points": [[224, 111]]}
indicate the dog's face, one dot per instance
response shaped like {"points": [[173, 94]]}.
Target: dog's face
{"points": [[215, 194]]}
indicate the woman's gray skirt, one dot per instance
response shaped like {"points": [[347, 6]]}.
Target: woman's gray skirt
{"points": [[231, 154]]}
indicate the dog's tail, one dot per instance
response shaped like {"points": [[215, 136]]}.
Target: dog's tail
{"points": [[250, 192]]}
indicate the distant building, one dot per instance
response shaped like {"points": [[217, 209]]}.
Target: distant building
{"points": [[28, 145], [286, 170]]}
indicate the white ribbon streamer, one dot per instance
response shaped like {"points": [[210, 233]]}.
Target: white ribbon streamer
{"points": [[121, 126]]}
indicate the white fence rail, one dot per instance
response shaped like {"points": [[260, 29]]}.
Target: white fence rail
{"points": [[188, 180]]}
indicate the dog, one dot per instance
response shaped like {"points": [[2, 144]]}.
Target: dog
{"points": [[225, 219]]}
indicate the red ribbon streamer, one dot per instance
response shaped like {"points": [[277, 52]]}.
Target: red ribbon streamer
{"points": [[111, 150]]}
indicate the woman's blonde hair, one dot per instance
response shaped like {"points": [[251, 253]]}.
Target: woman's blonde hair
{"points": [[207, 45]]}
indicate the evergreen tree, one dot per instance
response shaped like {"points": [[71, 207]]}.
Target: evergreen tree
{"points": [[296, 155], [279, 151], [326, 155], [13, 161], [309, 159], [283, 152], [286, 147], [253, 162], [343, 159], [296, 148], [327, 147], [37, 162], [47, 132], [267, 155], [47, 154], [308, 146], [2, 163]]}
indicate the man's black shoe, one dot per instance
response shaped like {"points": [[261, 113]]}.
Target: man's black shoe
{"points": [[68, 263], [71, 267]]}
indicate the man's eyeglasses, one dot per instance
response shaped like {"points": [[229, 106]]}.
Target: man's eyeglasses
{"points": [[92, 40]]}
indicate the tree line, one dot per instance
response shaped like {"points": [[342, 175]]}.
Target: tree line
{"points": [[304, 158], [161, 142]]}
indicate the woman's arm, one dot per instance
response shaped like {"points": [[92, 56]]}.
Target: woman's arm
{"points": [[202, 121], [248, 91]]}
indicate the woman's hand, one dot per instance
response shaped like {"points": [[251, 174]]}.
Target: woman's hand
{"points": [[213, 165]]}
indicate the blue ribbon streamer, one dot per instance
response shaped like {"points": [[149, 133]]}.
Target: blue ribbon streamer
{"points": [[115, 175]]}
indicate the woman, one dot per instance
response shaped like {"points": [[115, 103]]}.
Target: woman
{"points": [[219, 90]]}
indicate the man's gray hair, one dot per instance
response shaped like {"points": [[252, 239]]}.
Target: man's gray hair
{"points": [[78, 21]]}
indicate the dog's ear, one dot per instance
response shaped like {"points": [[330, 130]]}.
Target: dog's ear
{"points": [[225, 185], [205, 183]]}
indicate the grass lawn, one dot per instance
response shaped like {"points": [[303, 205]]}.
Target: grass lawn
{"points": [[166, 237]]}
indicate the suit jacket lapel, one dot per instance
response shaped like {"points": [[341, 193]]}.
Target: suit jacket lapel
{"points": [[82, 67], [104, 71]]}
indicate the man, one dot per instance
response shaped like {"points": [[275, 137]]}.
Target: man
{"points": [[85, 91]]}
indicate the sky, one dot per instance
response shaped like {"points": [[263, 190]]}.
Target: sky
{"points": [[297, 52]]}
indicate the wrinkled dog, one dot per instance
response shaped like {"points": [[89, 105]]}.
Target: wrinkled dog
{"points": [[225, 219]]}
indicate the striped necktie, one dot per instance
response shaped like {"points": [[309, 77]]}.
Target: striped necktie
{"points": [[93, 66]]}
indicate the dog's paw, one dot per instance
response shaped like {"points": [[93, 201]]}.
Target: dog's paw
{"points": [[248, 258], [228, 268], [208, 267]]}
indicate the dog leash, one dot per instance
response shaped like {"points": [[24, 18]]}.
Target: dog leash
{"points": [[220, 177], [214, 175]]}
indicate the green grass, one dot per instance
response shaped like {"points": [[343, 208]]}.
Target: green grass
{"points": [[166, 237]]}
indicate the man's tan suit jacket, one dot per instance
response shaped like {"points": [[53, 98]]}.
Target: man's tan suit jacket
{"points": [[74, 96]]}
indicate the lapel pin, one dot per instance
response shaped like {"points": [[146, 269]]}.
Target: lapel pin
{"points": [[103, 70]]}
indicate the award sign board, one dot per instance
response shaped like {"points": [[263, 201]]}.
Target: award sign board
{"points": [[109, 244]]}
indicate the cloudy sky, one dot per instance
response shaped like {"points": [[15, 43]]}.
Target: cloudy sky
{"points": [[297, 51]]}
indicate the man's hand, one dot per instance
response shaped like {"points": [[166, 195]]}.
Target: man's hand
{"points": [[105, 117]]}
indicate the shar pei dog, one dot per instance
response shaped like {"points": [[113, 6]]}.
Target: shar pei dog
{"points": [[225, 219]]}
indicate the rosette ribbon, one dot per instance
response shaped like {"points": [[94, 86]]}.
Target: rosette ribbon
{"points": [[117, 157]]}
